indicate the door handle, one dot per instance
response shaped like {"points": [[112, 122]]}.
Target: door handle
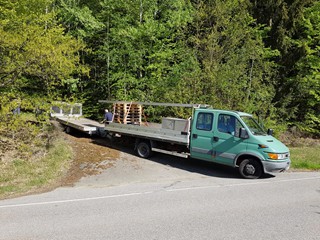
{"points": [[216, 139], [195, 135]]}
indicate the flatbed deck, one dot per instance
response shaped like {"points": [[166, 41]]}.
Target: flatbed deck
{"points": [[82, 124], [151, 131]]}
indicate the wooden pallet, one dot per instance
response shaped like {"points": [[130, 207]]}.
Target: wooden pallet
{"points": [[127, 113]]}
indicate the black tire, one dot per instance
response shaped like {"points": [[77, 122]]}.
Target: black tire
{"points": [[250, 168], [68, 129], [144, 150], [102, 133]]}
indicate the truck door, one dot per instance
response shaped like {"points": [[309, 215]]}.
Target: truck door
{"points": [[202, 136], [227, 143]]}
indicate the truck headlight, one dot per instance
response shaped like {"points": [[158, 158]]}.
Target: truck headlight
{"points": [[278, 156]]}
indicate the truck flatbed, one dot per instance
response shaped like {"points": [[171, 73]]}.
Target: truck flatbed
{"points": [[151, 131]]}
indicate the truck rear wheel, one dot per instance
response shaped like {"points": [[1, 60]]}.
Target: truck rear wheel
{"points": [[250, 168], [144, 150]]}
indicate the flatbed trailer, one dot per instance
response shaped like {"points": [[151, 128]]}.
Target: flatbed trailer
{"points": [[82, 124], [70, 116]]}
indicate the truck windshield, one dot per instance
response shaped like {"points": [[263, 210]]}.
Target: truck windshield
{"points": [[254, 127]]}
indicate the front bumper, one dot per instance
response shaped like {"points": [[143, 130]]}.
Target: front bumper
{"points": [[276, 166]]}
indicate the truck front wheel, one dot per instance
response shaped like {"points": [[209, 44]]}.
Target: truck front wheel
{"points": [[144, 150], [250, 168]]}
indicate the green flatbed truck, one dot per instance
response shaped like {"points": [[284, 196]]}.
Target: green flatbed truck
{"points": [[230, 138]]}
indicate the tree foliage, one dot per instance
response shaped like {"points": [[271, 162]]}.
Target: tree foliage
{"points": [[290, 23], [38, 61], [307, 79], [144, 47], [236, 64], [36, 55], [249, 55]]}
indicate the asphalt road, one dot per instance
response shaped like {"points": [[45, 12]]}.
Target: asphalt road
{"points": [[169, 199]]}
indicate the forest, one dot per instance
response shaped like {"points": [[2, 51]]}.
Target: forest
{"points": [[256, 56]]}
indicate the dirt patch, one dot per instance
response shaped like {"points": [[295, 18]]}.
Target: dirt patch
{"points": [[296, 138], [91, 157]]}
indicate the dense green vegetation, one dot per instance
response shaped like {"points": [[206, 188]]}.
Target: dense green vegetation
{"points": [[256, 56]]}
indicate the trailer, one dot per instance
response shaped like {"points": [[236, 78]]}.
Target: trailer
{"points": [[70, 116]]}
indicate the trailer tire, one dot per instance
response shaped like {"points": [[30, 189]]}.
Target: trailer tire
{"points": [[250, 168], [144, 150], [68, 129]]}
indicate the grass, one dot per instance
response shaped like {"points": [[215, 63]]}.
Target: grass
{"points": [[305, 158], [24, 175], [304, 151]]}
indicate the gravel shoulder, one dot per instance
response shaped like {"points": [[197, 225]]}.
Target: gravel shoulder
{"points": [[98, 162]]}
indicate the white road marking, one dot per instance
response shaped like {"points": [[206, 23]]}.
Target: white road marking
{"points": [[242, 184], [70, 200], [150, 192]]}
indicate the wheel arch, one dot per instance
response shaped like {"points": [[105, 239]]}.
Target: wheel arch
{"points": [[244, 156], [139, 140], [143, 147]]}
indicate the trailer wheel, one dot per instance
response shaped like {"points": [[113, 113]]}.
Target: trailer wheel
{"points": [[68, 129], [144, 150], [250, 168]]}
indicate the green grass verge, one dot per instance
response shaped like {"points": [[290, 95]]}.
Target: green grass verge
{"points": [[305, 158], [23, 175]]}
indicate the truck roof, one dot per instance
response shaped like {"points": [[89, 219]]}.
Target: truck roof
{"points": [[241, 114]]}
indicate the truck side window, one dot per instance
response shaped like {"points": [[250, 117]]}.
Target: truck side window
{"points": [[204, 121], [229, 124]]}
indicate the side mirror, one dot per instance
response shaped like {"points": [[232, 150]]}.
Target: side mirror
{"points": [[243, 133], [270, 132]]}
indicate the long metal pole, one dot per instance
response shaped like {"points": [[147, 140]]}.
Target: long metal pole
{"points": [[155, 104]]}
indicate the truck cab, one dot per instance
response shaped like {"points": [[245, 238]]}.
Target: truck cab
{"points": [[236, 139]]}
